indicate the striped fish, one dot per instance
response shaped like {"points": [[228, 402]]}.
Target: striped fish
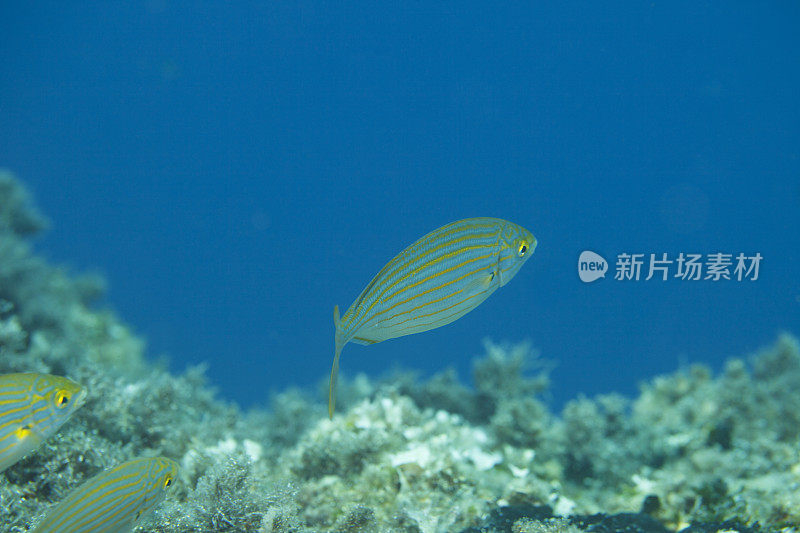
{"points": [[438, 279], [114, 501], [32, 408]]}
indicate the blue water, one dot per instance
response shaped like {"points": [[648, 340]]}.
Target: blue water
{"points": [[237, 169]]}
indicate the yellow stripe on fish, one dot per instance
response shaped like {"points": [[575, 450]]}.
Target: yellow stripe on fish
{"points": [[32, 408], [438, 279], [115, 500]]}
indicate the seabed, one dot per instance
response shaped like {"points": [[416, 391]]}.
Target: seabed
{"points": [[695, 451]]}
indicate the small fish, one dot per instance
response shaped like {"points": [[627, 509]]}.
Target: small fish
{"points": [[438, 279], [32, 408], [114, 501]]}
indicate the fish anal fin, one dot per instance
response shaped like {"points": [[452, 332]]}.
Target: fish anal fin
{"points": [[363, 341]]}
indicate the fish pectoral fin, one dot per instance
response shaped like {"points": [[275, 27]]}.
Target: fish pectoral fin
{"points": [[481, 282], [28, 434]]}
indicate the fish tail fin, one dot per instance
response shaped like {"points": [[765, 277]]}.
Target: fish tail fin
{"points": [[332, 388], [335, 368]]}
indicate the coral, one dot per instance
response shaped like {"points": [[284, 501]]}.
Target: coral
{"points": [[223, 499], [602, 443], [730, 442], [501, 373], [413, 468], [441, 391], [552, 525], [17, 213], [506, 519]]}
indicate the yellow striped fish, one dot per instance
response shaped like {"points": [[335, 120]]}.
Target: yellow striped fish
{"points": [[438, 279], [32, 408], [114, 501]]}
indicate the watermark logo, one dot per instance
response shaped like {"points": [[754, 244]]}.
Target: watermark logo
{"points": [[591, 266], [718, 266]]}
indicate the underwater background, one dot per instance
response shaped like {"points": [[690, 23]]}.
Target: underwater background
{"points": [[207, 180]]}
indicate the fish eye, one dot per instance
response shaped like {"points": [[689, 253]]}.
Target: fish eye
{"points": [[523, 248], [167, 481], [62, 399]]}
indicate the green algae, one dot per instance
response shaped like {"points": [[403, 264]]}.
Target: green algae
{"points": [[402, 454]]}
